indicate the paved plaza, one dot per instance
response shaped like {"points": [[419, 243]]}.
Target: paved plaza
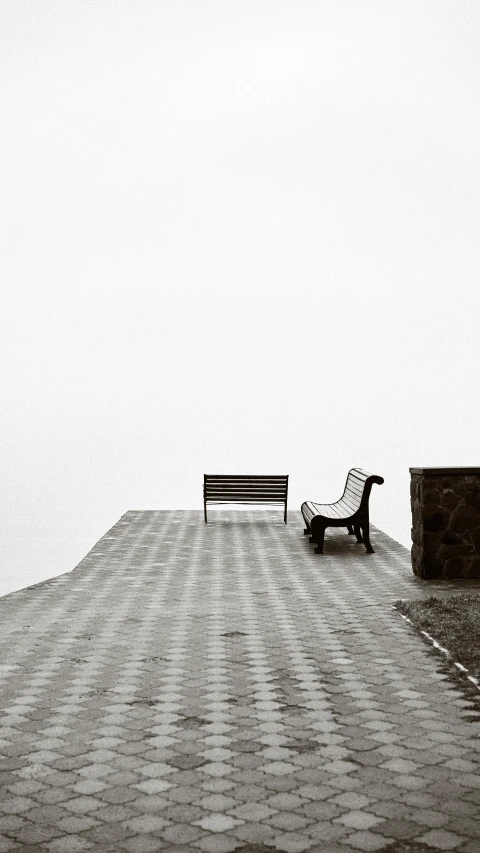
{"points": [[212, 688]]}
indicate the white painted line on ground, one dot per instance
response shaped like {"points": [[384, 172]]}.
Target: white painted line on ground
{"points": [[437, 645]]}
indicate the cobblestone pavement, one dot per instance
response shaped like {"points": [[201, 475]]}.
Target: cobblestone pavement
{"points": [[193, 687]]}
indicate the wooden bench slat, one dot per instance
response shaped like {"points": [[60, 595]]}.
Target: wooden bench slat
{"points": [[353, 499], [234, 478], [350, 498], [355, 489], [239, 483], [244, 484], [246, 488], [347, 508], [355, 481], [229, 496], [265, 487], [259, 487], [355, 486], [328, 511], [244, 500]]}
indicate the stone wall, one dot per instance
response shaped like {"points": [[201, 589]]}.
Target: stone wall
{"points": [[445, 522]]}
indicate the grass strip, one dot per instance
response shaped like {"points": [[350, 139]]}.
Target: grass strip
{"points": [[454, 622]]}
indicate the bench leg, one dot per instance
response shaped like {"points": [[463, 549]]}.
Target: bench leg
{"points": [[306, 531], [285, 514], [350, 528], [319, 541], [358, 533], [366, 538], [205, 512]]}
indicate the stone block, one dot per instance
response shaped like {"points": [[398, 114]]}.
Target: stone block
{"points": [[445, 506]]}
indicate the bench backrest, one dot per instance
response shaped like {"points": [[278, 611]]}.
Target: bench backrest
{"points": [[245, 488], [357, 489]]}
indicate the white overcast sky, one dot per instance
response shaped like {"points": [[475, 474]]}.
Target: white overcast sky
{"points": [[235, 237]]}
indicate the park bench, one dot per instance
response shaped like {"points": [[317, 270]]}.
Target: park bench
{"points": [[351, 511], [245, 489]]}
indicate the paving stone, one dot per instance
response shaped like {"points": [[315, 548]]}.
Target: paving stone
{"points": [[142, 844], [465, 826], [73, 825], [36, 833], [469, 847], [46, 814], [320, 810], [285, 800], [252, 812], [217, 844], [184, 813], [29, 786], [114, 814], [254, 833], [8, 845], [442, 839], [358, 819], [400, 829], [118, 795], [69, 844], [288, 821], [181, 833], [369, 841], [151, 786], [431, 818], [51, 796], [15, 805], [219, 687], [107, 833], [292, 842], [83, 805], [326, 832], [89, 786], [217, 802], [217, 822]]}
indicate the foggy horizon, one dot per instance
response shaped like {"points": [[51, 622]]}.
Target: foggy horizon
{"points": [[236, 238]]}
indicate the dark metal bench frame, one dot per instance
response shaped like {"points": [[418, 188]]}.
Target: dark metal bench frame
{"points": [[357, 522], [245, 489]]}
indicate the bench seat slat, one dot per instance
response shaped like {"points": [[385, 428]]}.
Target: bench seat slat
{"points": [[217, 478], [228, 496], [279, 487], [327, 510], [354, 489], [245, 488], [347, 508], [249, 497], [354, 497], [351, 498], [349, 503], [356, 477], [240, 483], [246, 485], [257, 487]]}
